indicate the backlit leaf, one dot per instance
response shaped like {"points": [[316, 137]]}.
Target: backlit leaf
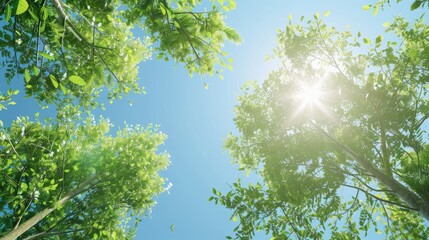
{"points": [[27, 75], [366, 7], [22, 7], [54, 81], [47, 56], [77, 80]]}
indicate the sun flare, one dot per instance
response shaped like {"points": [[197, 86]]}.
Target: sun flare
{"points": [[310, 95]]}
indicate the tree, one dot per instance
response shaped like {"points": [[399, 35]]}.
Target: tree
{"points": [[76, 182], [66, 179], [69, 50], [338, 135]]}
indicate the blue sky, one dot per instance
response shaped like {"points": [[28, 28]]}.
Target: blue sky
{"points": [[198, 120]]}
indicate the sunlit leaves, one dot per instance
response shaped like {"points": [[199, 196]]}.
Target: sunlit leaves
{"points": [[6, 99], [22, 7], [94, 40], [42, 163], [54, 81], [366, 41], [8, 12], [46, 55], [27, 75], [374, 96], [77, 80], [378, 40]]}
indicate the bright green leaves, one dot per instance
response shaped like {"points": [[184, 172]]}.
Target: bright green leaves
{"points": [[416, 4], [232, 35], [326, 13], [227, 5], [367, 41], [77, 80], [27, 76], [46, 162], [46, 55], [381, 3], [53, 81], [366, 7], [6, 99], [175, 28], [105, 53], [374, 94], [378, 40], [374, 7], [8, 12], [21, 7]]}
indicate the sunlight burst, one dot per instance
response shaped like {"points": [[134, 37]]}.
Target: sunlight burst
{"points": [[309, 95], [310, 99]]}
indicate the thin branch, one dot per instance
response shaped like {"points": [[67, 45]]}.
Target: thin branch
{"points": [[381, 199], [46, 234]]}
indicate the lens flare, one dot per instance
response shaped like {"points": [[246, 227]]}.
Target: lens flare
{"points": [[309, 95]]}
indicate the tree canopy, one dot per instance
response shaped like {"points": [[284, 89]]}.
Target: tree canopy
{"points": [[75, 181], [69, 50], [69, 177], [337, 134]]}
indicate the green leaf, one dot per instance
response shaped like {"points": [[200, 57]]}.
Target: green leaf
{"points": [[77, 80], [375, 11], [36, 70], [176, 24], [22, 7], [232, 35], [326, 13], [366, 7], [415, 5], [8, 13], [24, 186], [47, 56], [367, 41], [27, 76], [53, 80], [316, 16], [413, 53], [163, 11], [44, 13], [378, 40]]}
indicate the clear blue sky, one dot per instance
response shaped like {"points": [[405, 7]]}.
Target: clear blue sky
{"points": [[198, 120]]}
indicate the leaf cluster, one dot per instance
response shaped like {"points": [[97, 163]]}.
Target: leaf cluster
{"points": [[41, 163]]}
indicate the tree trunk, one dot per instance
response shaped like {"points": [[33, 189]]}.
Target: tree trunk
{"points": [[21, 229]]}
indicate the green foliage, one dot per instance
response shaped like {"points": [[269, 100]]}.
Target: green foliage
{"points": [[41, 163], [381, 4], [347, 162], [6, 99], [93, 40]]}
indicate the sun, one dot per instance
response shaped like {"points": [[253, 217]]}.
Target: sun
{"points": [[309, 95], [310, 100]]}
